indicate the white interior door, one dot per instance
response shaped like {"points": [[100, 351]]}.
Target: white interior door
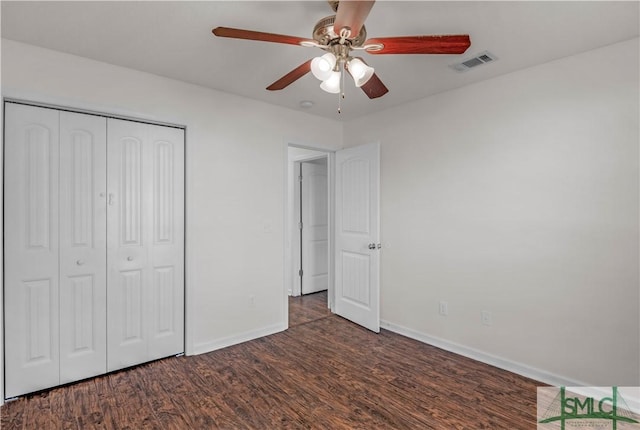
{"points": [[357, 292], [31, 239], [145, 249], [83, 246], [315, 226]]}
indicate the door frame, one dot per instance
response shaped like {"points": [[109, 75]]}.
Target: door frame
{"points": [[289, 219]]}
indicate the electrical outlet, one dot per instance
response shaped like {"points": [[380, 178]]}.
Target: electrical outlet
{"points": [[444, 308], [486, 317]]}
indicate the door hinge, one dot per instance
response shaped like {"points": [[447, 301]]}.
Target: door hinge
{"points": [[300, 225], [300, 273], [300, 178]]}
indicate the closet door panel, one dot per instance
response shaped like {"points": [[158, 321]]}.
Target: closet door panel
{"points": [[145, 250], [166, 241], [31, 244], [83, 228], [128, 274]]}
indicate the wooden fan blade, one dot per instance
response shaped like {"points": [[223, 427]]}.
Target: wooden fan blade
{"points": [[236, 33], [374, 87], [291, 77], [454, 44], [352, 14]]}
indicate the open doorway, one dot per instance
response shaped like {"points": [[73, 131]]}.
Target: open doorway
{"points": [[308, 227], [353, 257]]}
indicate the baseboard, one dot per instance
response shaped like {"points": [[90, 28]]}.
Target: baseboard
{"points": [[501, 363], [204, 347]]}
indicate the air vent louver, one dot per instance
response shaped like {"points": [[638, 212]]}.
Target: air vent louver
{"points": [[472, 63], [482, 58]]}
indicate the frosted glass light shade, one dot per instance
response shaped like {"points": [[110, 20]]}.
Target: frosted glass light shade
{"points": [[322, 67], [332, 84], [360, 72]]}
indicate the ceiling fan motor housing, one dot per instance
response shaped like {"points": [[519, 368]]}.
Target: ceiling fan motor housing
{"points": [[324, 34]]}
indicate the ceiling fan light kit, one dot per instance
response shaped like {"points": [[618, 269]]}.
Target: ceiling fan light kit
{"points": [[321, 67], [334, 35], [328, 68], [360, 71], [332, 84]]}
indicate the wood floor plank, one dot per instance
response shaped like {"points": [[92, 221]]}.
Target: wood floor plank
{"points": [[63, 401], [322, 373], [308, 308], [106, 396], [132, 398]]}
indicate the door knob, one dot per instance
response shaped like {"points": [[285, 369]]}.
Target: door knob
{"points": [[129, 258], [372, 246], [379, 245], [80, 262]]}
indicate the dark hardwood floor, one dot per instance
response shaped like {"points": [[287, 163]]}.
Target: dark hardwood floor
{"points": [[324, 372], [304, 309]]}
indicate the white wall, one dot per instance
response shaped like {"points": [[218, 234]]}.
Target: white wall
{"points": [[519, 196], [236, 166]]}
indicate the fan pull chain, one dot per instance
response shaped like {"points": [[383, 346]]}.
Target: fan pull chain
{"points": [[341, 92], [342, 83]]}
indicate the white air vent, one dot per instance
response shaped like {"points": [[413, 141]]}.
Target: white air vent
{"points": [[480, 59]]}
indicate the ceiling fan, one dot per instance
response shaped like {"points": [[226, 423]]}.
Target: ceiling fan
{"points": [[341, 35]]}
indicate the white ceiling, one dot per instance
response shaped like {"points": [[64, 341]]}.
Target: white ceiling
{"points": [[174, 39]]}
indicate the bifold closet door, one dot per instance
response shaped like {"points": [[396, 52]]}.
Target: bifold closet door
{"points": [[145, 244], [55, 248], [94, 245]]}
